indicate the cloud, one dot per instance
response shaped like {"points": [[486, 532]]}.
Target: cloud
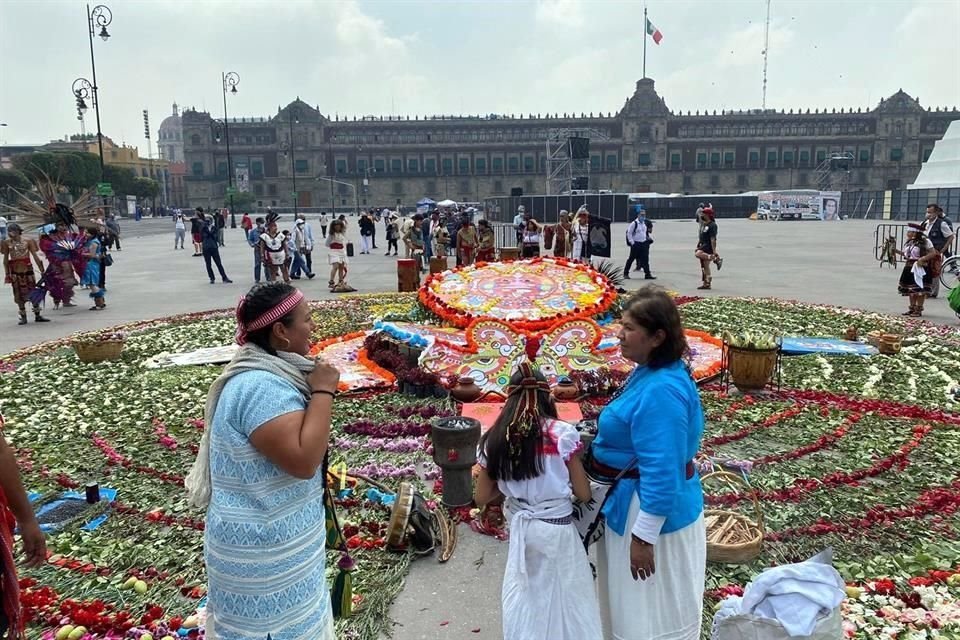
{"points": [[561, 14]]}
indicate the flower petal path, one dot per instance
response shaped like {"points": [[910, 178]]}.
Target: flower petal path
{"points": [[867, 450]]}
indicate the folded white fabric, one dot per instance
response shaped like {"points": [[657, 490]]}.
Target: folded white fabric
{"points": [[918, 273], [794, 595]]}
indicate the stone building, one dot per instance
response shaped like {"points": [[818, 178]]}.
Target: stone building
{"points": [[170, 146], [387, 161]]}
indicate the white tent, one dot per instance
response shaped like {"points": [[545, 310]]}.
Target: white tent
{"points": [[446, 203], [942, 168]]}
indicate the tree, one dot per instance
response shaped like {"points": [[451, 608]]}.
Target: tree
{"points": [[241, 200], [144, 188], [120, 178], [13, 178], [75, 170]]}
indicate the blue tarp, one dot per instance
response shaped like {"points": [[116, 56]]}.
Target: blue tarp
{"points": [[106, 494], [801, 346], [426, 202]]}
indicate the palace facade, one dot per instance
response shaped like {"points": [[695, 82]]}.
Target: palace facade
{"points": [[341, 163]]}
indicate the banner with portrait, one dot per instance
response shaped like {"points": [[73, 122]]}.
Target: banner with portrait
{"points": [[243, 178], [829, 205]]}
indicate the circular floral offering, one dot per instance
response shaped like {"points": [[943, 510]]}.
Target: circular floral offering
{"points": [[530, 294]]}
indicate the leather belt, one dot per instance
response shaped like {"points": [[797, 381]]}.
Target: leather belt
{"points": [[596, 467]]}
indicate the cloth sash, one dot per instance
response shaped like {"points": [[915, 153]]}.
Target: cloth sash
{"points": [[918, 273], [292, 367], [521, 514]]}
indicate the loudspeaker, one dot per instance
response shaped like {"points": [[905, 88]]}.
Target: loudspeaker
{"points": [[516, 192], [579, 148], [580, 184]]}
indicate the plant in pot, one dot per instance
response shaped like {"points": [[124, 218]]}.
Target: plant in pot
{"points": [[751, 358]]}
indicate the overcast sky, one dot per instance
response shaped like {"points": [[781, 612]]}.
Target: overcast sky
{"points": [[361, 57]]}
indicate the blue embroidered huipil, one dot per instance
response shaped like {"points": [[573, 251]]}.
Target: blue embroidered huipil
{"points": [[658, 419]]}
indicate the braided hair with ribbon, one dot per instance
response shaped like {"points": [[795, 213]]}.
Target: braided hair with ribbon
{"points": [[514, 445]]}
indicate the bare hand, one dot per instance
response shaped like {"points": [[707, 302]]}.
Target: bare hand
{"points": [[641, 560], [324, 376], [34, 544]]}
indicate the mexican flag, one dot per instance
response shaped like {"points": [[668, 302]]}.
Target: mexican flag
{"points": [[653, 31]]}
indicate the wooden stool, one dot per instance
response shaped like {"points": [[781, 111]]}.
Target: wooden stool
{"points": [[438, 265], [509, 253], [408, 275]]}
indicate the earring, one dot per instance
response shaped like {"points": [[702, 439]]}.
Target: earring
{"points": [[286, 346]]}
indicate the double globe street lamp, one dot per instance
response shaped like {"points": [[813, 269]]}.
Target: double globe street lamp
{"points": [[97, 21], [293, 117], [229, 81]]}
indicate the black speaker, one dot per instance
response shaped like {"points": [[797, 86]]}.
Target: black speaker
{"points": [[579, 148], [516, 192], [580, 184]]}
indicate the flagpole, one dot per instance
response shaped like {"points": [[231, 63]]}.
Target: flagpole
{"points": [[644, 40]]}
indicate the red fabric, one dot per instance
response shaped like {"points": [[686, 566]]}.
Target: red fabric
{"points": [[336, 245], [9, 589]]}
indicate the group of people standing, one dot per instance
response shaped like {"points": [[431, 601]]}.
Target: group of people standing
{"points": [[568, 238], [928, 244]]}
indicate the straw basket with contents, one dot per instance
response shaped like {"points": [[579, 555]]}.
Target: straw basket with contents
{"points": [[751, 359], [731, 536], [98, 346]]}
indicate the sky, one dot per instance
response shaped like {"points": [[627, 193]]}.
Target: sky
{"points": [[396, 57]]}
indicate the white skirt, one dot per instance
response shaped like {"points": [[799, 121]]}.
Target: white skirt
{"points": [[668, 606], [558, 601], [337, 258]]}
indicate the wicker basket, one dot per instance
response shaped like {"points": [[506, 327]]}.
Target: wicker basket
{"points": [[751, 369], [98, 351], [733, 537]]}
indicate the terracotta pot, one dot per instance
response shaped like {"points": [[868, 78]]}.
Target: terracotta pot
{"points": [[466, 390], [565, 389]]}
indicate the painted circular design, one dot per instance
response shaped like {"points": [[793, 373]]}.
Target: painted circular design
{"points": [[534, 294]]}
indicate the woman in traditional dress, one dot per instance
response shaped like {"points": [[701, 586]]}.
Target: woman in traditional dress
{"points": [[917, 277], [466, 243], [531, 239], [258, 474], [580, 234], [532, 458], [18, 272], [441, 238], [487, 247], [337, 257], [652, 556], [59, 278], [91, 275], [274, 251], [561, 236]]}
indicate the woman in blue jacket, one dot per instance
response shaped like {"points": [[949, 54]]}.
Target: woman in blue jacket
{"points": [[652, 558]]}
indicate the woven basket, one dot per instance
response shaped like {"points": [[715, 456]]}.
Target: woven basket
{"points": [[733, 537], [98, 351], [751, 369]]}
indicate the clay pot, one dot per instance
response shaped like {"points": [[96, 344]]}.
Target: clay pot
{"points": [[565, 389], [466, 390]]}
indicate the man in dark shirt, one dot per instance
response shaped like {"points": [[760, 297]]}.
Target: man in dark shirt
{"points": [[707, 246], [211, 246], [939, 230], [196, 227]]}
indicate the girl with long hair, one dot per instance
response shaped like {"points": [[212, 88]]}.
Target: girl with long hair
{"points": [[916, 277], [533, 458]]}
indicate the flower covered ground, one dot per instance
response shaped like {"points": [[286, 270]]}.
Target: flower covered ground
{"points": [[860, 454]]}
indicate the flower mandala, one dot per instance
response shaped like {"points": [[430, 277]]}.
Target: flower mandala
{"points": [[530, 294]]}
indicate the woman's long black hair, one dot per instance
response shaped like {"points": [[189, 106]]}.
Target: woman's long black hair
{"points": [[524, 460], [259, 300]]}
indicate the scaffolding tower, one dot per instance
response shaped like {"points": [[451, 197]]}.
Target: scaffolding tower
{"points": [[562, 167], [833, 174]]}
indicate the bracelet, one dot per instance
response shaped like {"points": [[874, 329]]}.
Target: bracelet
{"points": [[323, 391]]}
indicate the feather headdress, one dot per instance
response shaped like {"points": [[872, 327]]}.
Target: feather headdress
{"points": [[41, 206]]}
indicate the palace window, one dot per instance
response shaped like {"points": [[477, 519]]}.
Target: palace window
{"points": [[498, 165], [379, 165], [463, 165], [787, 158], [528, 164], [341, 166], [302, 166], [821, 155], [595, 163], [728, 159], [197, 168], [715, 159], [412, 165], [195, 140], [396, 165], [221, 169], [361, 166], [754, 158], [447, 165], [896, 154], [674, 160], [865, 156], [701, 161], [644, 159], [256, 169], [804, 157], [481, 165], [272, 189], [430, 166]]}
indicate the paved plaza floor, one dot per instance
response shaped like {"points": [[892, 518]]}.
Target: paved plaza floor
{"points": [[829, 263], [822, 262]]}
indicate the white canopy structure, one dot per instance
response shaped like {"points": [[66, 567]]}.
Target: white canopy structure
{"points": [[942, 168]]}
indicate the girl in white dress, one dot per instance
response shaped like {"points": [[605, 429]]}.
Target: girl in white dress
{"points": [[532, 458], [337, 244]]}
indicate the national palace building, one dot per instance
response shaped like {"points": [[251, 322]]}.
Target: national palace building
{"points": [[643, 147]]}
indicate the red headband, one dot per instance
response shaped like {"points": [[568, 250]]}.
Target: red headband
{"points": [[284, 307]]}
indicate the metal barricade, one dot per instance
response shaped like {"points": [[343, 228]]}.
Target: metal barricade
{"points": [[887, 235]]}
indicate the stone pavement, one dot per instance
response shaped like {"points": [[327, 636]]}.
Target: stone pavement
{"points": [[829, 263]]}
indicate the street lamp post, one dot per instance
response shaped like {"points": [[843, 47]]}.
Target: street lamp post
{"points": [[101, 16], [293, 114], [229, 80], [356, 197]]}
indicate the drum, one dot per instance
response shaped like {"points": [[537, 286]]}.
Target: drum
{"points": [[400, 516]]}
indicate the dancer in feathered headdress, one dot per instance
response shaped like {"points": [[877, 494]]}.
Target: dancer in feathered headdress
{"points": [[18, 271]]}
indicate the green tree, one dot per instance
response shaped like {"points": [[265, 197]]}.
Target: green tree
{"points": [[120, 178], [144, 188], [13, 178], [242, 200], [75, 170], [35, 165]]}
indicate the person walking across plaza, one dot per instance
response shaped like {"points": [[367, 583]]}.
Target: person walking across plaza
{"points": [[706, 251], [253, 239], [209, 233], [113, 228], [303, 239], [639, 242], [917, 275], [179, 230], [324, 222], [18, 271], [221, 218], [259, 476], [15, 511], [366, 231], [939, 230], [651, 559], [246, 224], [533, 459], [393, 234], [196, 232]]}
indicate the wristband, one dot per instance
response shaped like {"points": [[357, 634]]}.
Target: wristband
{"points": [[323, 391]]}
